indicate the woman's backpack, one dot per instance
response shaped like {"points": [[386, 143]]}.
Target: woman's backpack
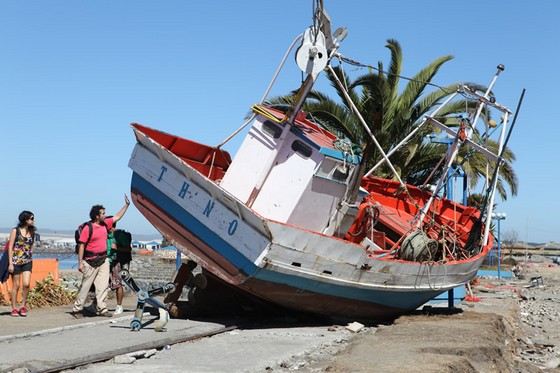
{"points": [[4, 263]]}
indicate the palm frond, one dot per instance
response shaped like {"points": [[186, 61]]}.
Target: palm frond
{"points": [[347, 84], [394, 68], [429, 101], [416, 86]]}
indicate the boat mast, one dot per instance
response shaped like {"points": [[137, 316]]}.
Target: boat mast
{"points": [[312, 57], [314, 54], [461, 136]]}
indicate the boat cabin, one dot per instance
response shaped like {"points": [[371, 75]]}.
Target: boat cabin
{"points": [[296, 174]]}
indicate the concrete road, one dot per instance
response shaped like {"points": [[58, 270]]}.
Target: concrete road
{"points": [[50, 338], [51, 349], [256, 350]]}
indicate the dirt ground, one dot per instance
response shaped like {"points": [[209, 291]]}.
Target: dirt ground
{"points": [[514, 328]]}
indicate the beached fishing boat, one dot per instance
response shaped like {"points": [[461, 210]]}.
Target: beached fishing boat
{"points": [[292, 220]]}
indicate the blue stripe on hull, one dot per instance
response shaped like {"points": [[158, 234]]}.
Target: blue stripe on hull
{"points": [[397, 299], [190, 223]]}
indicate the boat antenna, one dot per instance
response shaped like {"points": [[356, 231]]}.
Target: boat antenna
{"points": [[476, 230]]}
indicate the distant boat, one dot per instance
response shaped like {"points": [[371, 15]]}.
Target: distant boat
{"points": [[279, 220]]}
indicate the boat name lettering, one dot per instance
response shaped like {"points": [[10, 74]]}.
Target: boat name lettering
{"points": [[232, 227], [209, 207], [184, 189], [233, 224], [163, 170]]}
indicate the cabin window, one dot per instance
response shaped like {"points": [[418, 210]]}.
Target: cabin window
{"points": [[326, 167], [271, 129], [301, 148], [340, 173], [334, 170]]}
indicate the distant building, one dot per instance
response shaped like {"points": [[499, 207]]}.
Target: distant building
{"points": [[149, 245], [552, 246], [153, 245]]}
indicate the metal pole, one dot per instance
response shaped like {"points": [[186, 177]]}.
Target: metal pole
{"points": [[265, 95], [279, 68], [449, 192], [465, 186], [364, 124], [178, 261], [503, 146], [451, 154], [499, 248], [404, 141], [490, 206], [499, 216], [500, 68]]}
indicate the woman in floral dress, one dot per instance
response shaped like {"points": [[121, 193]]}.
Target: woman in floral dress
{"points": [[20, 259]]}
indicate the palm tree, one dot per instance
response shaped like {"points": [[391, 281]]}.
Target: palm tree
{"points": [[391, 115]]}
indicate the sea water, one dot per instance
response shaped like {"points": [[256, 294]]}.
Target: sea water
{"points": [[65, 260]]}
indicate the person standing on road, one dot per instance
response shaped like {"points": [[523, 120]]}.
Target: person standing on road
{"points": [[20, 259], [92, 258], [120, 257]]}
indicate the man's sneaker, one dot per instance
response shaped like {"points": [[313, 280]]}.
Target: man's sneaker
{"points": [[105, 313], [118, 310], [77, 314], [15, 312], [23, 311]]}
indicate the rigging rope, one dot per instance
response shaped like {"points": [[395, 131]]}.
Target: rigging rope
{"points": [[360, 64]]}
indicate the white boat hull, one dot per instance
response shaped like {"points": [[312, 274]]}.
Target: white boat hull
{"points": [[277, 262]]}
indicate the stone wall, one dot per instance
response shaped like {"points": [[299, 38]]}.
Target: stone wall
{"points": [[152, 271], [147, 271], [152, 268]]}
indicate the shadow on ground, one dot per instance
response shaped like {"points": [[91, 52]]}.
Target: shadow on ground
{"points": [[220, 302]]}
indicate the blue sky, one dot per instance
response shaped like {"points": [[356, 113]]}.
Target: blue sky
{"points": [[74, 74]]}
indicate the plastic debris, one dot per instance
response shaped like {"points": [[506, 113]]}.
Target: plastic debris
{"points": [[354, 327]]}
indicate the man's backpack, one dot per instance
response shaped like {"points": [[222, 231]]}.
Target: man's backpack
{"points": [[78, 232]]}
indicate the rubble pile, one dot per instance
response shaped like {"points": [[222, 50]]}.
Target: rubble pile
{"points": [[540, 314]]}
